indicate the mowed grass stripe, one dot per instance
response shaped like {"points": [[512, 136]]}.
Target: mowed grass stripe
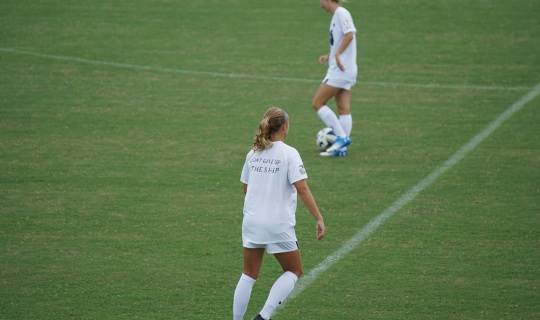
{"points": [[411, 194], [260, 77]]}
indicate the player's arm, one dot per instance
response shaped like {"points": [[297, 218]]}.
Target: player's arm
{"points": [[308, 200], [347, 39], [245, 188], [323, 59]]}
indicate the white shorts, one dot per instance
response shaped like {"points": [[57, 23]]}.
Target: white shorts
{"points": [[272, 248], [339, 82]]}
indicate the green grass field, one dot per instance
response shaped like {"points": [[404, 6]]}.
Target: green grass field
{"points": [[124, 126]]}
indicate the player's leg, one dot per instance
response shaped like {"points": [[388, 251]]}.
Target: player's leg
{"points": [[344, 86], [343, 101], [253, 258], [324, 93], [291, 263]]}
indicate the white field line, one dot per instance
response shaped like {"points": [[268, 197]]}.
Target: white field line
{"points": [[251, 76], [363, 233]]}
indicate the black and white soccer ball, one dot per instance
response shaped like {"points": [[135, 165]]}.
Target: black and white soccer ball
{"points": [[325, 137]]}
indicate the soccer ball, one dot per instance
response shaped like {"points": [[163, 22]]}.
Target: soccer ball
{"points": [[325, 137]]}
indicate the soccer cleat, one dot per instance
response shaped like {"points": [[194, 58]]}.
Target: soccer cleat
{"points": [[258, 317], [337, 153], [339, 143]]}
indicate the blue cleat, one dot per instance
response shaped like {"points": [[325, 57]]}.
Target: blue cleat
{"points": [[338, 153], [339, 143]]}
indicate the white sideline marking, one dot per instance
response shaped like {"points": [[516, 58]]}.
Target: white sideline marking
{"points": [[363, 233], [250, 76]]}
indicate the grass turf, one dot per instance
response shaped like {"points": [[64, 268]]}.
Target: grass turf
{"points": [[123, 132]]}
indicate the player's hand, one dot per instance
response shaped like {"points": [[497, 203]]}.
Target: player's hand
{"points": [[320, 230], [339, 64], [323, 59]]}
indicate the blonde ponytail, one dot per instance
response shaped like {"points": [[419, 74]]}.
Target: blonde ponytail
{"points": [[272, 121]]}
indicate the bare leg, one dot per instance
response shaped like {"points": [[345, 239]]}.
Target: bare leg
{"points": [[290, 261], [323, 94], [253, 259], [343, 101]]}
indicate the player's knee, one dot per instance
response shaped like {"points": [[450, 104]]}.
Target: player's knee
{"points": [[343, 109], [297, 271], [317, 105], [254, 274]]}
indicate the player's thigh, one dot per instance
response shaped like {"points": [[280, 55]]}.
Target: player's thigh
{"points": [[343, 101], [323, 94], [290, 261], [253, 259]]}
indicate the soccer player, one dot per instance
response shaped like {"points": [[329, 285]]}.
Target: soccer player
{"points": [[273, 175], [340, 77]]}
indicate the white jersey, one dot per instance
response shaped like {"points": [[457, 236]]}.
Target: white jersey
{"points": [[270, 202], [340, 25]]}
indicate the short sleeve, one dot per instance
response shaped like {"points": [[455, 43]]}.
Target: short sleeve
{"points": [[346, 22], [296, 169], [244, 177]]}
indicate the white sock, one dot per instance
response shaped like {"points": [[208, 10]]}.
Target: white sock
{"points": [[346, 123], [280, 290], [331, 120], [241, 296]]}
